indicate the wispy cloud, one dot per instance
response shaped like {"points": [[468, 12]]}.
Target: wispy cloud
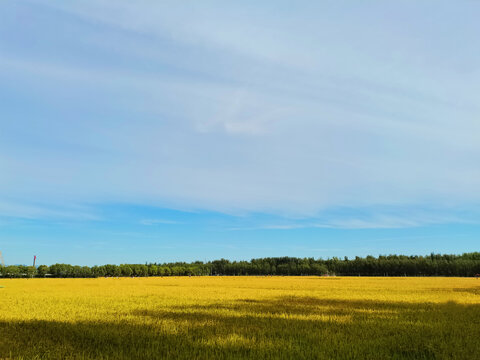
{"points": [[15, 209], [159, 222], [357, 219]]}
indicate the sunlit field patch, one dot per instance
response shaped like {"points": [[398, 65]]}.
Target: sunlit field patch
{"points": [[240, 317]]}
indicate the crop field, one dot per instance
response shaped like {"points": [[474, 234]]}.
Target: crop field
{"points": [[240, 317]]}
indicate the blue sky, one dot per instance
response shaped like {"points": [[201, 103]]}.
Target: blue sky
{"points": [[193, 130]]}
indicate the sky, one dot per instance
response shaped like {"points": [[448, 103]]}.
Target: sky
{"points": [[158, 131]]}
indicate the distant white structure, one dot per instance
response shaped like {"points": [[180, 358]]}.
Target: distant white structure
{"points": [[1, 259]]}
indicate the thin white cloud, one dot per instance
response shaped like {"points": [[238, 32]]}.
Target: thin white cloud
{"points": [[370, 219], [159, 221], [16, 209]]}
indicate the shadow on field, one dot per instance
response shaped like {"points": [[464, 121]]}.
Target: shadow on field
{"points": [[287, 327], [475, 290]]}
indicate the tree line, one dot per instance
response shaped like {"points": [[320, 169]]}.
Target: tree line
{"points": [[467, 264]]}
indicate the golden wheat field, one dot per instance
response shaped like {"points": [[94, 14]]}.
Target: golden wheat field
{"points": [[240, 317]]}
